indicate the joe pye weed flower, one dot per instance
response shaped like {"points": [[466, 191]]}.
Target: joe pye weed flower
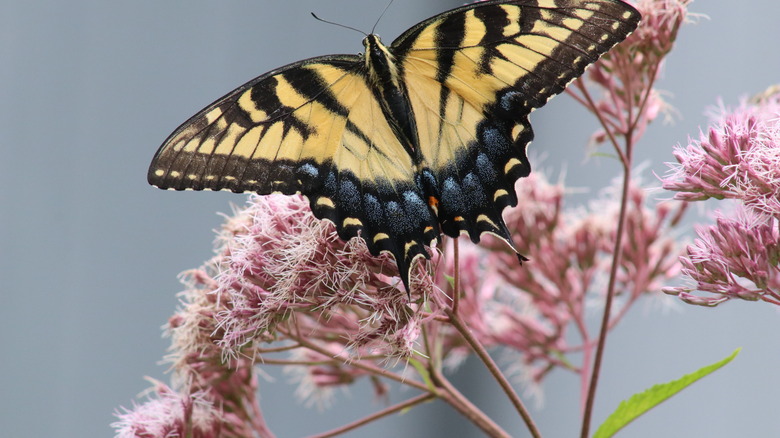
{"points": [[283, 290], [737, 159]]}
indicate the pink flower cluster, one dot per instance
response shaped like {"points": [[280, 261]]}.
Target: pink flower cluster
{"points": [[280, 276], [735, 258], [282, 268], [283, 282], [211, 395], [171, 414], [627, 73], [738, 159], [532, 309]]}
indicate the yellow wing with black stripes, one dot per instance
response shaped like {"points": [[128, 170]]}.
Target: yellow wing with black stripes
{"points": [[407, 141], [475, 73]]}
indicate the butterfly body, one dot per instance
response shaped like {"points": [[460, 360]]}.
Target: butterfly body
{"points": [[384, 78], [404, 142]]}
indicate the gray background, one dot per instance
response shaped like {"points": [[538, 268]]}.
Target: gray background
{"points": [[90, 253]]}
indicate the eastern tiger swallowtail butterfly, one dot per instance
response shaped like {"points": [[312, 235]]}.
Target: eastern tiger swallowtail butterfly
{"points": [[403, 142]]}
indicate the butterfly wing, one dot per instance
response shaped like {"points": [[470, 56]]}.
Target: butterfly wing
{"points": [[475, 73], [312, 127], [255, 137], [315, 127]]}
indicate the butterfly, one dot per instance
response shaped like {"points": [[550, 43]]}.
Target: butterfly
{"points": [[405, 142]]}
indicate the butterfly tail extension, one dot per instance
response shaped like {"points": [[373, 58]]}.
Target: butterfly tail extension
{"points": [[405, 261]]}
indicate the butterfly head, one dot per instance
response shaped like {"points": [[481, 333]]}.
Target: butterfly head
{"points": [[380, 63]]}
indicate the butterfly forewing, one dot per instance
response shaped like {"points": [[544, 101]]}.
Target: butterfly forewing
{"points": [[260, 136]]}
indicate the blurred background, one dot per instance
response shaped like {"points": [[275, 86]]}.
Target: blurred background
{"points": [[89, 254]]}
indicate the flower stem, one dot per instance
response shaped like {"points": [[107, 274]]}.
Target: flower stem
{"points": [[494, 370], [460, 403], [442, 389], [363, 365], [456, 277], [617, 255], [591, 105], [288, 362], [770, 300], [626, 158], [277, 349], [645, 97], [422, 398]]}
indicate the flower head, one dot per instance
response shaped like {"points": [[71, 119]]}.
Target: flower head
{"points": [[735, 258], [283, 266], [170, 414], [738, 158], [212, 395], [625, 75], [661, 21]]}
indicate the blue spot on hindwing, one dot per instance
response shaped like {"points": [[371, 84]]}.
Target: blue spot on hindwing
{"points": [[451, 195], [372, 209], [508, 100], [417, 209], [487, 173], [474, 191], [309, 170], [330, 183], [395, 218], [494, 142], [349, 194], [414, 204]]}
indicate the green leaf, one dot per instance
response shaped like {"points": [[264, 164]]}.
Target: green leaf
{"points": [[642, 402], [450, 280], [423, 372]]}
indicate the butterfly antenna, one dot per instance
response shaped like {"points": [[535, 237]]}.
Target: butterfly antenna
{"points": [[381, 15], [337, 24]]}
